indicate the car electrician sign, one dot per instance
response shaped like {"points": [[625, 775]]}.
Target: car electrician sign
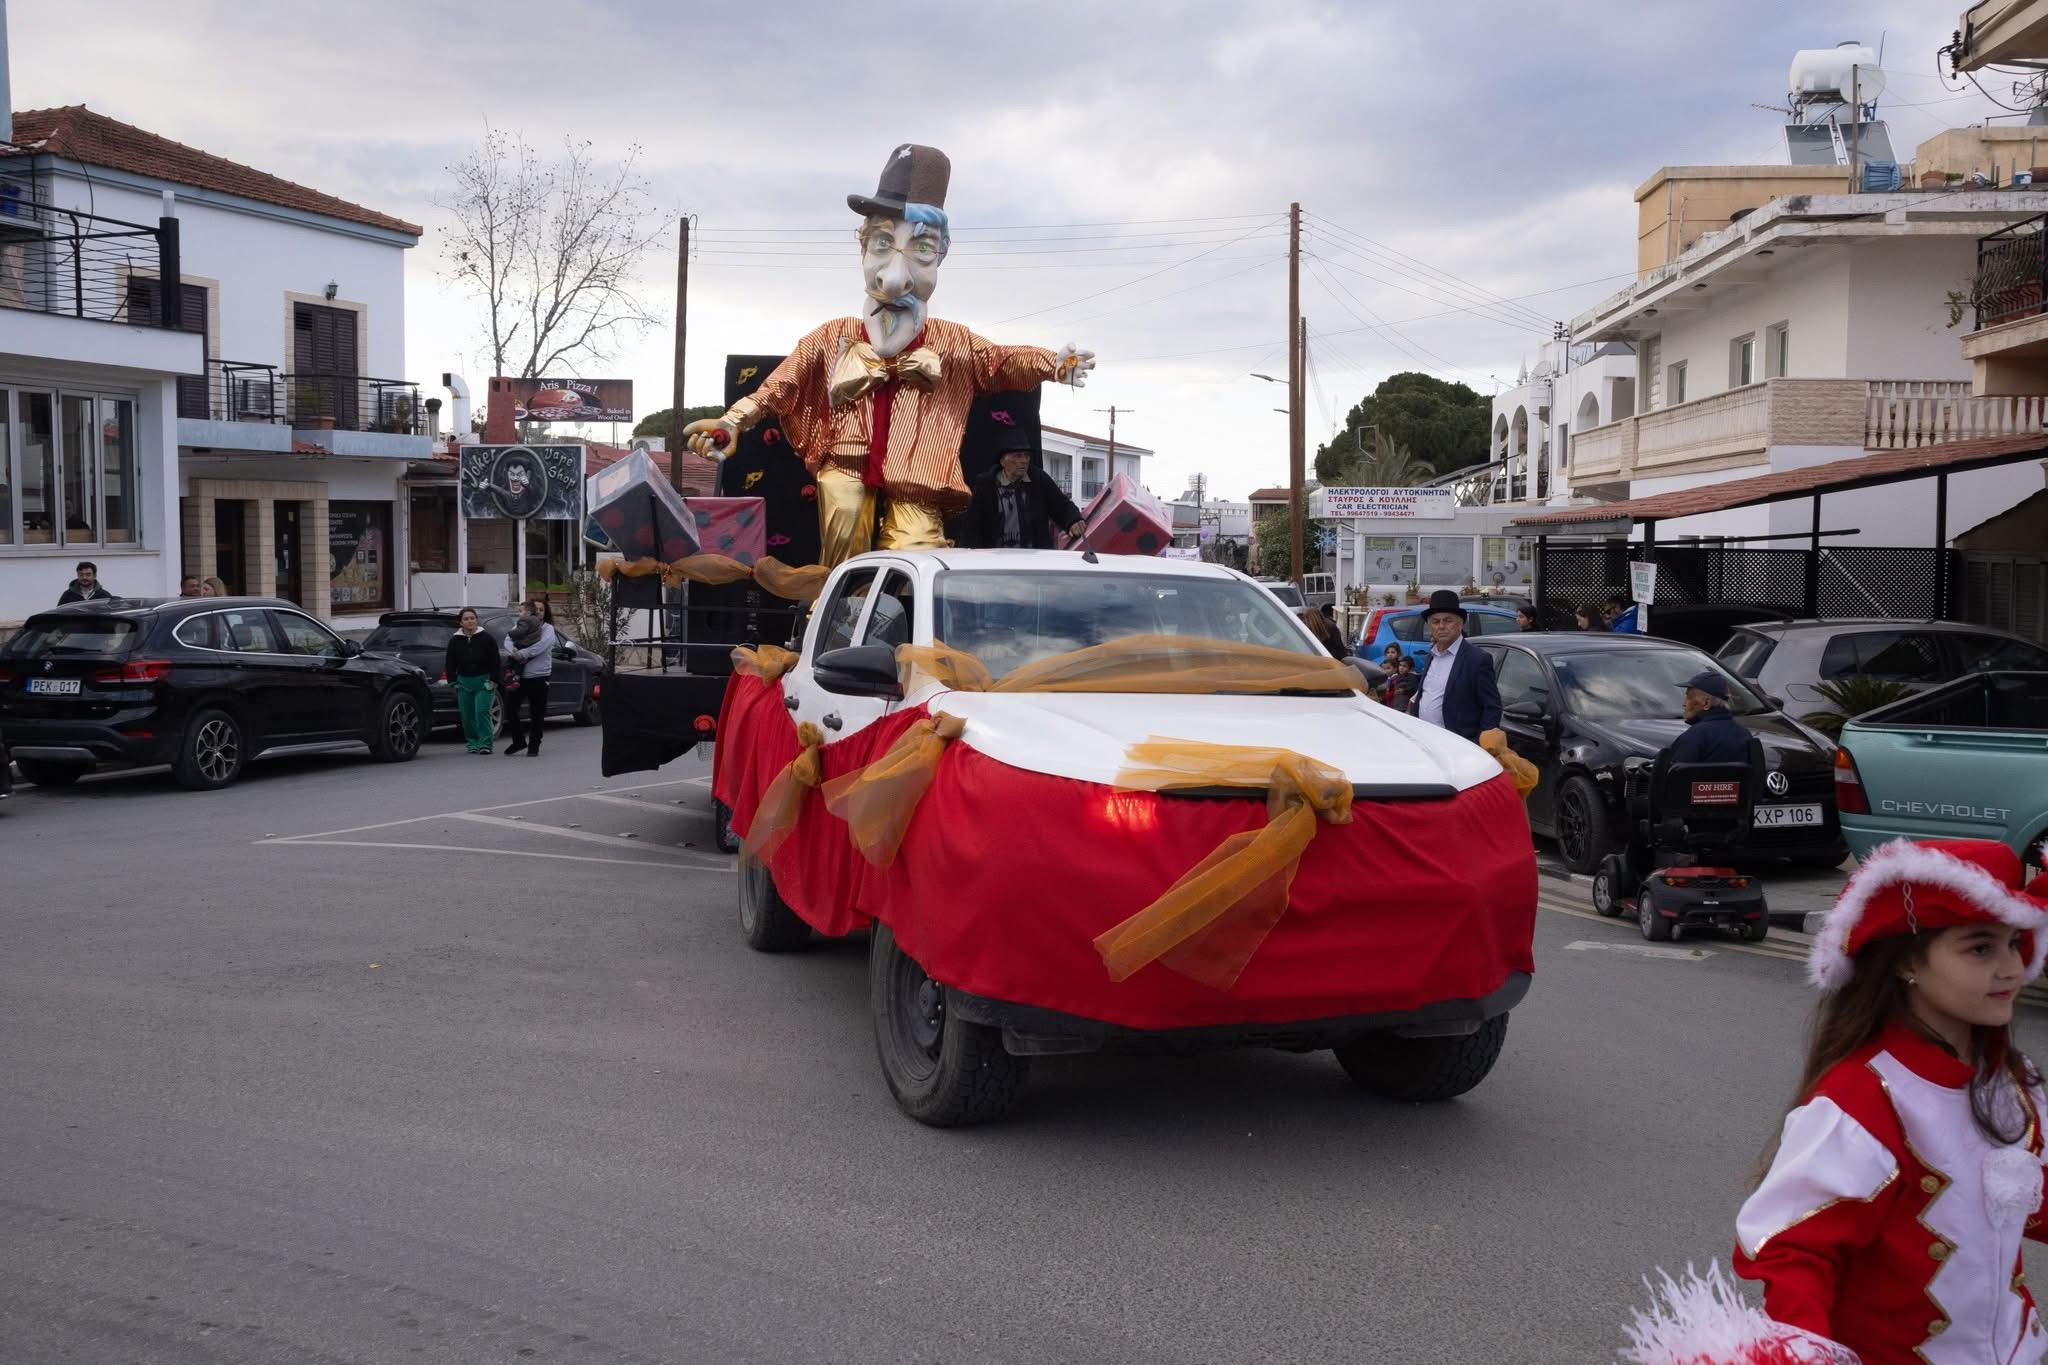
{"points": [[1418, 504], [519, 483]]}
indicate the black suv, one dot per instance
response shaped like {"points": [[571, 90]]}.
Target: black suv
{"points": [[421, 639], [203, 684]]}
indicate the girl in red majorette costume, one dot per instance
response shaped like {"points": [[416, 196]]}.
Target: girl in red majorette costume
{"points": [[1887, 1227]]}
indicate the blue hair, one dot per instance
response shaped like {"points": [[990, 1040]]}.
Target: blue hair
{"points": [[930, 215]]}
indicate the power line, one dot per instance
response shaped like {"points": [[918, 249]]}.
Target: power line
{"points": [[1054, 308], [1367, 244], [847, 264], [1415, 350], [1200, 284], [1038, 227], [1487, 311]]}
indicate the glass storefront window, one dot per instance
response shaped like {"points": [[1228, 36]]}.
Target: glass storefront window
{"points": [[79, 460], [38, 417], [117, 470], [68, 469], [7, 509]]}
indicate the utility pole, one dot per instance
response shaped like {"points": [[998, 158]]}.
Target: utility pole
{"points": [[675, 421], [1297, 346], [1855, 126], [1110, 473]]}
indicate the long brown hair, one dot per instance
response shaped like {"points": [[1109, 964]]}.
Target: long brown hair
{"points": [[1852, 1017]]}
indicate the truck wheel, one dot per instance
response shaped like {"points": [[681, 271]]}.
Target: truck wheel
{"points": [[1655, 927], [46, 774], [399, 728], [722, 832], [1423, 1069], [943, 1070], [766, 921], [210, 754], [1585, 827]]}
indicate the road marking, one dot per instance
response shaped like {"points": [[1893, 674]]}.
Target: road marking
{"points": [[1641, 950], [444, 815], [528, 827], [664, 865], [634, 803]]}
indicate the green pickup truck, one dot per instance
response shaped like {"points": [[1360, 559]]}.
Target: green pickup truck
{"points": [[1965, 760]]}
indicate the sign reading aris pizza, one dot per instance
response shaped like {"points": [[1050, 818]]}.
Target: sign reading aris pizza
{"points": [[532, 483], [566, 400]]}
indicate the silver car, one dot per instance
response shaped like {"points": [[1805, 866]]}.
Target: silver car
{"points": [[1788, 660]]}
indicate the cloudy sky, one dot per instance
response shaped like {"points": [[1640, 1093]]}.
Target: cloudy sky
{"points": [[1121, 170]]}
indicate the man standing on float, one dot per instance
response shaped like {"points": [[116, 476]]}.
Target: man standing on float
{"points": [[877, 404]]}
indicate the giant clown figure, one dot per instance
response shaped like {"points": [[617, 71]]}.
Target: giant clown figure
{"points": [[877, 404]]}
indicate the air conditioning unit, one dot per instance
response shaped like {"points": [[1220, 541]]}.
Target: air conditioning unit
{"points": [[394, 408], [255, 400]]}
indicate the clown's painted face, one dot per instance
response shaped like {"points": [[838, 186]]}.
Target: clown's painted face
{"points": [[899, 260]]}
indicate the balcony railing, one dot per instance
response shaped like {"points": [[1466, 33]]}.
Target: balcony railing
{"points": [[82, 265], [2012, 273], [350, 402], [1739, 426], [240, 391]]}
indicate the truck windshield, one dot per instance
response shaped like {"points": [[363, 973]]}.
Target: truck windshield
{"points": [[1010, 619], [1630, 684]]}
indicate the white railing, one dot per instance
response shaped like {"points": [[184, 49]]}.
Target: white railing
{"points": [[1905, 414], [1725, 424]]}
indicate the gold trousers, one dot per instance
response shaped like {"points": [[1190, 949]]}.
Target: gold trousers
{"points": [[846, 519]]}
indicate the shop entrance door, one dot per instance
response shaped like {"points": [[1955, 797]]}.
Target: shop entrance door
{"points": [[286, 527], [230, 544]]}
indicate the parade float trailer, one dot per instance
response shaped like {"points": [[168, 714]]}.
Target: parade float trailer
{"points": [[1090, 802]]}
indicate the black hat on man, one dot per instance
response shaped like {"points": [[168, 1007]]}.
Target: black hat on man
{"points": [[1709, 682], [1443, 599], [913, 175], [1011, 438]]}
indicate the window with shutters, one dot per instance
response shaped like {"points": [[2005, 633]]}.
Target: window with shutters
{"points": [[324, 364], [145, 309]]}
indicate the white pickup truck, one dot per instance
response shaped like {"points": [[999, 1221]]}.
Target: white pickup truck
{"points": [[1406, 934]]}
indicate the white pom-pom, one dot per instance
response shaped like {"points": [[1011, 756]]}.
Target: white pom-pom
{"points": [[1704, 1320]]}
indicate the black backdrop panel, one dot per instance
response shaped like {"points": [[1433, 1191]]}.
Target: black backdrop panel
{"points": [[993, 415], [764, 466]]}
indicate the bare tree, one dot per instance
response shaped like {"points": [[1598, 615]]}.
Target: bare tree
{"points": [[552, 250]]}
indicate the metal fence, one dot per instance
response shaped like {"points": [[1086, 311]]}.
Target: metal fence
{"points": [[2012, 271], [354, 403], [76, 264], [1898, 582]]}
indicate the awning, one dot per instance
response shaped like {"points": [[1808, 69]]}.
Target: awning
{"points": [[1867, 470]]}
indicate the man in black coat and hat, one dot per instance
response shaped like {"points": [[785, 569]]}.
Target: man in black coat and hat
{"points": [[1458, 690], [1018, 506]]}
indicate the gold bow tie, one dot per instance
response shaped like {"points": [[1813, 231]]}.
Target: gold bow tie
{"points": [[860, 370]]}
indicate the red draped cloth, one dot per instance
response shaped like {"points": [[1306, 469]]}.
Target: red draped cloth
{"points": [[1007, 876]]}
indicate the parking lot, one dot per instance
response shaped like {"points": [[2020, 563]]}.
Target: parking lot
{"points": [[462, 1060]]}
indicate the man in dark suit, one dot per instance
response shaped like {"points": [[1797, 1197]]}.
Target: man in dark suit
{"points": [[1017, 506], [1458, 690]]}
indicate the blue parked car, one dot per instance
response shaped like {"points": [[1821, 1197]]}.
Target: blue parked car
{"points": [[1404, 626]]}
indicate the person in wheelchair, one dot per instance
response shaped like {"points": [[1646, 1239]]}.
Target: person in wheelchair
{"points": [[1711, 734], [1688, 808]]}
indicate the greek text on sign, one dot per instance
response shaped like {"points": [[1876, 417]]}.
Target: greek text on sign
{"points": [[1432, 504]]}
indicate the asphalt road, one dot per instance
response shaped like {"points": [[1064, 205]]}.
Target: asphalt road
{"points": [[431, 1063]]}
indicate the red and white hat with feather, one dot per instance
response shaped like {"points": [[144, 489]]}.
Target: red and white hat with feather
{"points": [[1904, 887]]}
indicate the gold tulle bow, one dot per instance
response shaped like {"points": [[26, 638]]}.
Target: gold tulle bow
{"points": [[775, 818], [861, 369]]}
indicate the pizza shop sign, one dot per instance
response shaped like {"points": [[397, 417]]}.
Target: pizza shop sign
{"points": [[1413, 504]]}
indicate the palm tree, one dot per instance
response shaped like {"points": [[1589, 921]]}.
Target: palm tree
{"points": [[1850, 697], [1386, 465]]}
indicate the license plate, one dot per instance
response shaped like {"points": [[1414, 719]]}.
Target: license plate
{"points": [[1782, 817], [54, 687]]}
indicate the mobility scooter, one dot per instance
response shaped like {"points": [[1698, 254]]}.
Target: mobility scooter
{"points": [[1685, 821]]}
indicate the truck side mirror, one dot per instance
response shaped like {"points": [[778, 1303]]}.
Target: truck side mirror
{"points": [[858, 671]]}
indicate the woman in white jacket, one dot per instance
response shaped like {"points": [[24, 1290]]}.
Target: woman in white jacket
{"points": [[530, 648]]}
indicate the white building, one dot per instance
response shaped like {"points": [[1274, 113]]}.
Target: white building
{"points": [[1080, 464], [294, 427], [1810, 329], [1573, 386]]}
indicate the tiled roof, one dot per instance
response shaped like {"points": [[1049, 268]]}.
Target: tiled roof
{"points": [[1267, 495], [1878, 466], [78, 134], [699, 473]]}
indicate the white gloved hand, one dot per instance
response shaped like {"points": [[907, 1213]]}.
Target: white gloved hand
{"points": [[702, 438], [1072, 366]]}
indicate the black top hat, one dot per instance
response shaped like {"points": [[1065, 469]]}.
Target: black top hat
{"points": [[1008, 439], [913, 175], [1443, 599]]}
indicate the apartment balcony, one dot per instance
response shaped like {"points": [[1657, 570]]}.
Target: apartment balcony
{"points": [[80, 288], [248, 406], [2008, 350], [1738, 428]]}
